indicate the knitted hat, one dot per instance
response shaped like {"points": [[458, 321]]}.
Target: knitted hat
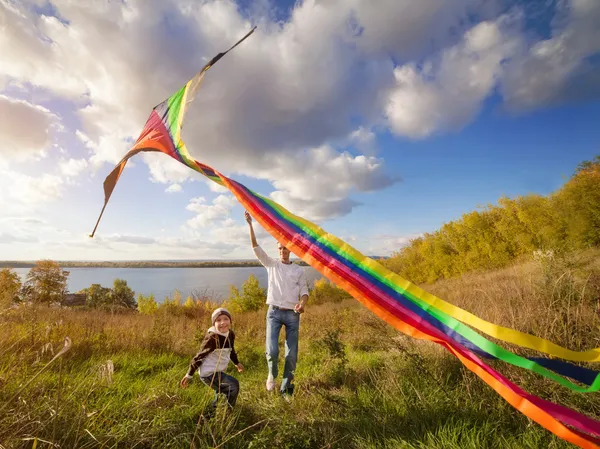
{"points": [[220, 311]]}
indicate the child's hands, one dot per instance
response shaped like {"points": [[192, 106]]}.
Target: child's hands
{"points": [[184, 382], [239, 367]]}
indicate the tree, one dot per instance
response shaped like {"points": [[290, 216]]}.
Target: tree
{"points": [[46, 282], [253, 296], [10, 286], [122, 295], [147, 304], [579, 203], [97, 295]]}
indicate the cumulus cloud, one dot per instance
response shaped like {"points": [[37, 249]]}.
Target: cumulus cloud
{"points": [[447, 92], [558, 69], [30, 190], [291, 86], [173, 188], [386, 244], [72, 167], [25, 128], [207, 214], [316, 184]]}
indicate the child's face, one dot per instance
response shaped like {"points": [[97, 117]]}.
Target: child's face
{"points": [[222, 323]]}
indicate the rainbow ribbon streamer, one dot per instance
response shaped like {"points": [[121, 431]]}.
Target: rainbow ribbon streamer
{"points": [[395, 300]]}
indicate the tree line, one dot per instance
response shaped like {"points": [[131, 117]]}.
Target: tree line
{"points": [[46, 283], [514, 229]]}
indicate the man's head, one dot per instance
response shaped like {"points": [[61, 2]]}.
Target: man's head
{"points": [[221, 319], [284, 253]]}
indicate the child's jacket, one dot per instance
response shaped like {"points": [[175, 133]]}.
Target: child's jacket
{"points": [[216, 351]]}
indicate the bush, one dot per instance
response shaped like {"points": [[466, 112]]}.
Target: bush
{"points": [[10, 285], [146, 305], [252, 298]]}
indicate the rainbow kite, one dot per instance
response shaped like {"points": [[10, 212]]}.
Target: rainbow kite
{"points": [[398, 302]]}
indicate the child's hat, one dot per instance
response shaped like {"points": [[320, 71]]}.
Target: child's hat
{"points": [[220, 311]]}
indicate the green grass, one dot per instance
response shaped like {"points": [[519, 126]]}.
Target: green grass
{"points": [[359, 383]]}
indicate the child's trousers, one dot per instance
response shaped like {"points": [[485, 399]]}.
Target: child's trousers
{"points": [[223, 383]]}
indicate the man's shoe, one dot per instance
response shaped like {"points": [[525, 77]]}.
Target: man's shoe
{"points": [[270, 383]]}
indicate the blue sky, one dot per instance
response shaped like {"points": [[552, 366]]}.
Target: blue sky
{"points": [[378, 124]]}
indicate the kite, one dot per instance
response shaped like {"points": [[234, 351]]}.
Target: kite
{"points": [[398, 302]]}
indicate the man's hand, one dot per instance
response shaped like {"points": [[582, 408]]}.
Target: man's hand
{"points": [[299, 308], [253, 241], [240, 367], [184, 382]]}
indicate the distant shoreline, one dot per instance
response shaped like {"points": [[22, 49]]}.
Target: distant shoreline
{"points": [[142, 264]]}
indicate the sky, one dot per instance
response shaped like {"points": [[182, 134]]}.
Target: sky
{"points": [[377, 120]]}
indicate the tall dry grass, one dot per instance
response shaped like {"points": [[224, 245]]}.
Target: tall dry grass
{"points": [[360, 383]]}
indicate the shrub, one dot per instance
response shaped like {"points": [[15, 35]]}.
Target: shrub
{"points": [[253, 296]]}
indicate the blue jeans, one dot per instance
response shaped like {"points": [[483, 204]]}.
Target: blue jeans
{"points": [[225, 384], [277, 318]]}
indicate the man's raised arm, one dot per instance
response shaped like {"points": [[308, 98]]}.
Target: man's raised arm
{"points": [[252, 236]]}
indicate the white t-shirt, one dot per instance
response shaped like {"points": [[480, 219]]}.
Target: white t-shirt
{"points": [[287, 283]]}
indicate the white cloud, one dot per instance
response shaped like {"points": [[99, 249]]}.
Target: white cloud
{"points": [[556, 69], [316, 184], [30, 190], [164, 169], [24, 220], [173, 188], [446, 93], [408, 29], [9, 238], [25, 128], [364, 140], [72, 167], [387, 244], [207, 215]]}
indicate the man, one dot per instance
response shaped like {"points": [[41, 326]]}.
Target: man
{"points": [[287, 294]]}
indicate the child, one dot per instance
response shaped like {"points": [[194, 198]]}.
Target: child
{"points": [[215, 352]]}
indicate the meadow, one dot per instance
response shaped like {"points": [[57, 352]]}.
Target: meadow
{"points": [[359, 382]]}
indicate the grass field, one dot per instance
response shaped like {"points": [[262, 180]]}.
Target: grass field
{"points": [[360, 383]]}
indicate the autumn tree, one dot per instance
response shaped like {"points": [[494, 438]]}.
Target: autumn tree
{"points": [[147, 304], [96, 295], [579, 202], [46, 282], [10, 286], [252, 297], [123, 295]]}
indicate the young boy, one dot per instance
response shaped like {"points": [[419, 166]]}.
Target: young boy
{"points": [[216, 351]]}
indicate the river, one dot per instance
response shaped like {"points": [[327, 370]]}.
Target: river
{"points": [[163, 282]]}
